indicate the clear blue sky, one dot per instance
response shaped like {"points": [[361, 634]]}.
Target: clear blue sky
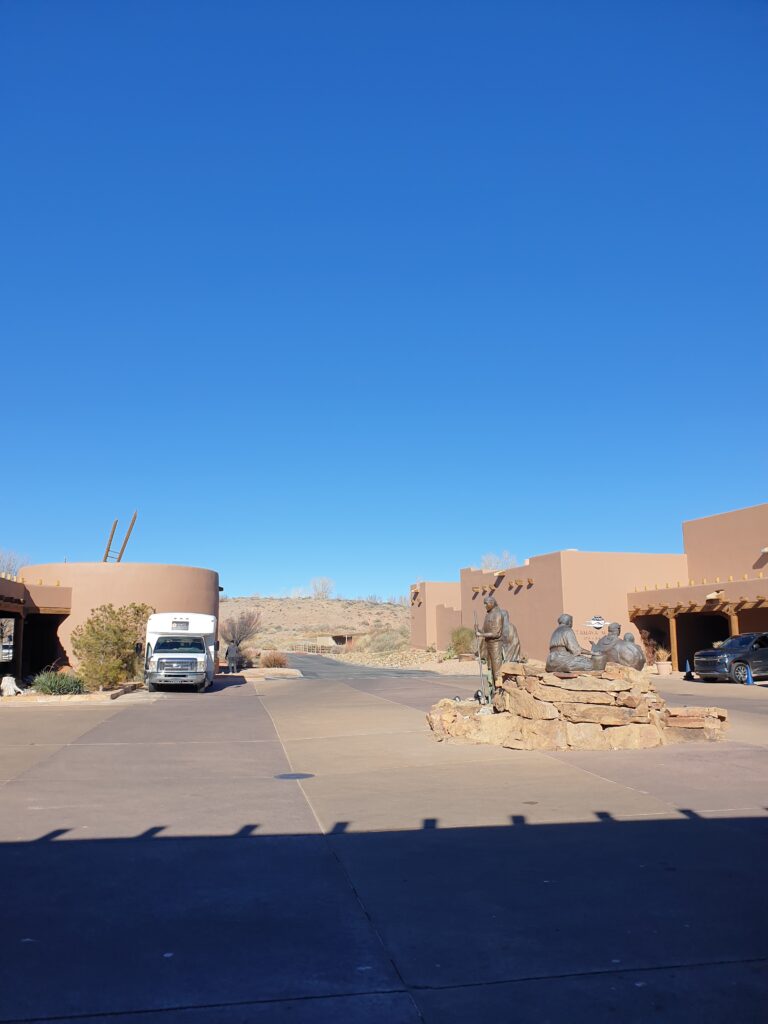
{"points": [[367, 289]]}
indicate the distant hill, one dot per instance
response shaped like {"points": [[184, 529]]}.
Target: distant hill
{"points": [[299, 618]]}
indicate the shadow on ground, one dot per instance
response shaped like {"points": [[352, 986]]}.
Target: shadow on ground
{"points": [[220, 682], [632, 920]]}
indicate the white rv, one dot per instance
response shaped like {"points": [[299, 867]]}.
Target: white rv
{"points": [[180, 649]]}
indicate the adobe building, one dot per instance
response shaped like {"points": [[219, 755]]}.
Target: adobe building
{"points": [[48, 602], [434, 614], [685, 601], [723, 592]]}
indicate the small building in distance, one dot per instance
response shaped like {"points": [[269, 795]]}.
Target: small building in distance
{"points": [[685, 602], [48, 602]]}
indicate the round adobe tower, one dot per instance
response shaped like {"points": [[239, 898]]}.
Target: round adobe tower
{"points": [[166, 588]]}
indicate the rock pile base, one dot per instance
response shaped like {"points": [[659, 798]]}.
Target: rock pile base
{"points": [[617, 709]]}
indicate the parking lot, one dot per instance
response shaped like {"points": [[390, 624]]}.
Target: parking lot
{"points": [[303, 850]]}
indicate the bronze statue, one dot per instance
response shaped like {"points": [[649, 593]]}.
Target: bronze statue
{"points": [[510, 641], [606, 644], [629, 653], [622, 652], [566, 653], [491, 638]]}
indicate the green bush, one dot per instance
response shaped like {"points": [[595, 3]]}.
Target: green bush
{"points": [[463, 640], [104, 645], [58, 683]]}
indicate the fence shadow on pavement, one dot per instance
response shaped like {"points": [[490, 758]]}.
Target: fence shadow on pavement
{"points": [[591, 921]]}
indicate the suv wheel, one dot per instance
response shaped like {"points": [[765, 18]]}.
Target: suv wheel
{"points": [[738, 672]]}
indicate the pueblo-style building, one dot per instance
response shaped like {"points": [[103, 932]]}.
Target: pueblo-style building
{"points": [[718, 587], [48, 602]]}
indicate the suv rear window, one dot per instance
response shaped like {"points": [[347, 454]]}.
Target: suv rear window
{"points": [[736, 643]]}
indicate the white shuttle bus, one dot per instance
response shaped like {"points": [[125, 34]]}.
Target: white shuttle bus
{"points": [[180, 649]]}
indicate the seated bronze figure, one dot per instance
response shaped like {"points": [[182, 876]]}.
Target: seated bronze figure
{"points": [[622, 652], [565, 652]]}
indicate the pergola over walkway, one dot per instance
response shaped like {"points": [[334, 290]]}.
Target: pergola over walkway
{"points": [[688, 619], [36, 611]]}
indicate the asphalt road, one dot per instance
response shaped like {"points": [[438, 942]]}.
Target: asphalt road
{"points": [[302, 850]]}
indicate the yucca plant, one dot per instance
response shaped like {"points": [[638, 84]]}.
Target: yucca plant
{"points": [[58, 684]]}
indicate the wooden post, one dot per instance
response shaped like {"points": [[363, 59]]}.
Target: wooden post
{"points": [[733, 621], [673, 641], [121, 552], [109, 542]]}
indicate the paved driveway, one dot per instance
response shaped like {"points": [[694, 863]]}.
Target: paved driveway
{"points": [[302, 850]]}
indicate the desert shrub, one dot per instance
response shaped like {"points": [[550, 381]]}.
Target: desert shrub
{"points": [[462, 640], [241, 627], [57, 683], [662, 654], [273, 659], [104, 644], [384, 641]]}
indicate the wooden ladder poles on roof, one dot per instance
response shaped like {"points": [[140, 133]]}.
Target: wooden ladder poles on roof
{"points": [[109, 554]]}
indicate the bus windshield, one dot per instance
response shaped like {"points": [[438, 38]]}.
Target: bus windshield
{"points": [[180, 645]]}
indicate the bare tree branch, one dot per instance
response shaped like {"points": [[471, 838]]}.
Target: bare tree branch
{"points": [[321, 586], [492, 561], [11, 561], [241, 627]]}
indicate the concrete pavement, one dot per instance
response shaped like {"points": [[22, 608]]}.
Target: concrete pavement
{"points": [[303, 850]]}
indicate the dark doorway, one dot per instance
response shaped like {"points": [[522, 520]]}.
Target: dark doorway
{"points": [[652, 631], [11, 635], [753, 620], [697, 631], [41, 646]]}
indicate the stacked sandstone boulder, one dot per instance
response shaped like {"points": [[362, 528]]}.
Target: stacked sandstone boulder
{"points": [[616, 709]]}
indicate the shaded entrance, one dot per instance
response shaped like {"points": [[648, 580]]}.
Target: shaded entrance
{"points": [[753, 620], [653, 631], [698, 630], [41, 643], [11, 626]]}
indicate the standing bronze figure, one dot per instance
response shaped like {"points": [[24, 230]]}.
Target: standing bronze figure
{"points": [[491, 638], [510, 641]]}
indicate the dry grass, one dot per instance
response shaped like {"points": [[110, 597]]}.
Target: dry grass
{"points": [[284, 619], [273, 659]]}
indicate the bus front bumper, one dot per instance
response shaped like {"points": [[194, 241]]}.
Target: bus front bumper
{"points": [[175, 678]]}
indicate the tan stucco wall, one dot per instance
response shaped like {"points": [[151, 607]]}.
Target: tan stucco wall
{"points": [[533, 607], [728, 544], [166, 588], [583, 583], [597, 583], [418, 611], [425, 597], [587, 583], [446, 620]]}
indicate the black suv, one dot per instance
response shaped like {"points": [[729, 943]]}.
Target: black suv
{"points": [[730, 660]]}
